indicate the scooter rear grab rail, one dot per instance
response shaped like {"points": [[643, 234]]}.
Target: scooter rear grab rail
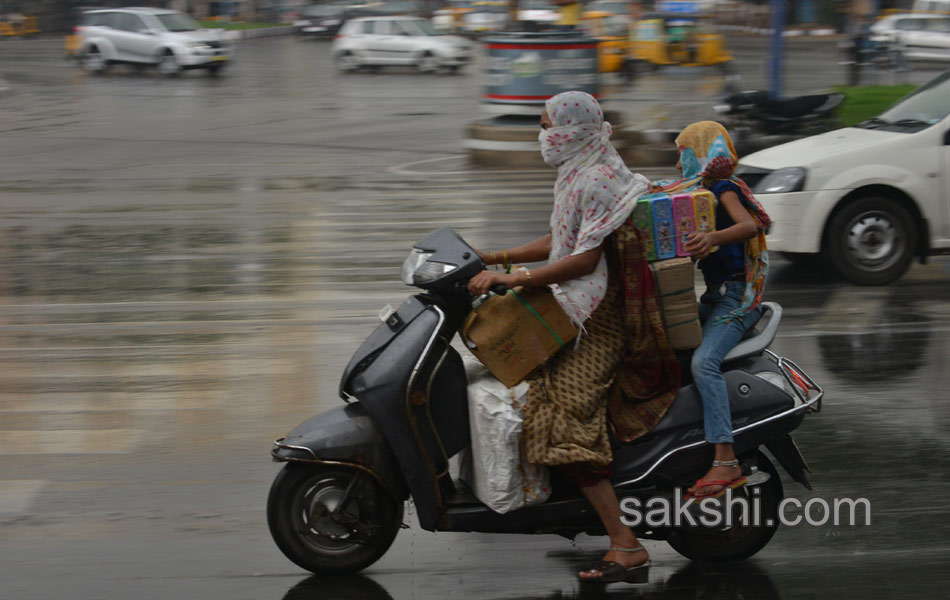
{"points": [[800, 382]]}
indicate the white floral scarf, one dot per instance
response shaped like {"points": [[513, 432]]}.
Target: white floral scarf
{"points": [[593, 195]]}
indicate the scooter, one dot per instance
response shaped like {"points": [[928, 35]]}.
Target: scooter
{"points": [[757, 121], [337, 504]]}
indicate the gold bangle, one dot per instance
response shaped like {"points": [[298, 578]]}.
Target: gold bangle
{"points": [[504, 255], [493, 260]]}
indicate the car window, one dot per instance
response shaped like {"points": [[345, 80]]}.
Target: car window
{"points": [[177, 22], [100, 19], [419, 27], [939, 25], [402, 28], [926, 106], [129, 22]]}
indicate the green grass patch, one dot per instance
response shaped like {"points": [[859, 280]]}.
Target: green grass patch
{"points": [[865, 101], [211, 24]]}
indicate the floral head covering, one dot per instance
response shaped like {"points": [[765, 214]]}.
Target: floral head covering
{"points": [[707, 155], [593, 195]]}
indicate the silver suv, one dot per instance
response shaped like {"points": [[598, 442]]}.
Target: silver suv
{"points": [[171, 40]]}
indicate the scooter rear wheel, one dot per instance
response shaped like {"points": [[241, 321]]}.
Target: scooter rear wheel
{"points": [[740, 541], [312, 527]]}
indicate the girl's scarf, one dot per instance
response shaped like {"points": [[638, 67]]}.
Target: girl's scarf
{"points": [[707, 155], [593, 195]]}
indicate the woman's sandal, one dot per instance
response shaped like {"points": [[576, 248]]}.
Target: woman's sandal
{"points": [[612, 572], [726, 485]]}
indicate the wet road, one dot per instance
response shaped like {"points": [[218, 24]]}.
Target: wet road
{"points": [[189, 263]]}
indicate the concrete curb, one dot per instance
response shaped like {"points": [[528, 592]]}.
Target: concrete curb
{"points": [[491, 143], [785, 33], [513, 146], [246, 34]]}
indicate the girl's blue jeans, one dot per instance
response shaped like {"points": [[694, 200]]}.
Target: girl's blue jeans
{"points": [[718, 340]]}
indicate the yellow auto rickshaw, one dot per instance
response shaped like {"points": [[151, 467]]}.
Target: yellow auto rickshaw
{"points": [[612, 31], [673, 39], [17, 25]]}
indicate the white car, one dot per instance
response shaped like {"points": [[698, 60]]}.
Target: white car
{"points": [[869, 198], [171, 40], [380, 41], [917, 36], [538, 11]]}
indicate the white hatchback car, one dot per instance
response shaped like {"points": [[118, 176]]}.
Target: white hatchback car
{"points": [[379, 41], [917, 36], [171, 40], [869, 198]]}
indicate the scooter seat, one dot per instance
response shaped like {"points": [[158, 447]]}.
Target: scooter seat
{"points": [[760, 336]]}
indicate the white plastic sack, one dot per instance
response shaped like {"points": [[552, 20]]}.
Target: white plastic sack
{"points": [[494, 466]]}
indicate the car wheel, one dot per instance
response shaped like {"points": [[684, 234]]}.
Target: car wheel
{"points": [[346, 61], [168, 64], [93, 62], [427, 63], [871, 241], [215, 69]]}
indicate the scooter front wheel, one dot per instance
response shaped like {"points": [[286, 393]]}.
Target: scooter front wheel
{"points": [[331, 520]]}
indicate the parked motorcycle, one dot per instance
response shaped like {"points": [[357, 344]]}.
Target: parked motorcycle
{"points": [[337, 504], [757, 121]]}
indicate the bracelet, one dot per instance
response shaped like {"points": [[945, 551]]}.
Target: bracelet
{"points": [[527, 274], [493, 260], [504, 255]]}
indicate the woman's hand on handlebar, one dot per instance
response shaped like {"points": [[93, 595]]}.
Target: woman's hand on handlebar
{"points": [[484, 281]]}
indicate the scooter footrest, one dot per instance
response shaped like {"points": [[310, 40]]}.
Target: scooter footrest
{"points": [[757, 478]]}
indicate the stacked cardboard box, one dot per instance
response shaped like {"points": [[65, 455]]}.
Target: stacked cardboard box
{"points": [[677, 291], [513, 340]]}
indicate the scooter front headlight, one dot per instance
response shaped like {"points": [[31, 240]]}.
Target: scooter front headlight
{"points": [[417, 268]]}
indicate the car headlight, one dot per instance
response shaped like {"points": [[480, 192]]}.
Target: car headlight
{"points": [[782, 181], [417, 268]]}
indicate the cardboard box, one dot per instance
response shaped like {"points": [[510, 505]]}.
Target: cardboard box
{"points": [[677, 292], [511, 340]]}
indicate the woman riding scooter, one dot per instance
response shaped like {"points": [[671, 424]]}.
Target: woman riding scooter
{"points": [[598, 273]]}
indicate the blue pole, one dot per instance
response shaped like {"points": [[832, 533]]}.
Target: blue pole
{"points": [[778, 24]]}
